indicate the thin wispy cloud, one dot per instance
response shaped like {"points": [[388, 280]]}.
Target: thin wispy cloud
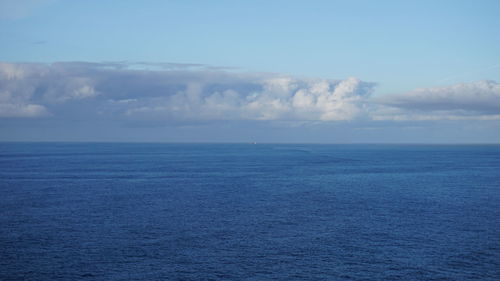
{"points": [[468, 73]]}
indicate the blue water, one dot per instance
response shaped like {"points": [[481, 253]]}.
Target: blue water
{"points": [[249, 212]]}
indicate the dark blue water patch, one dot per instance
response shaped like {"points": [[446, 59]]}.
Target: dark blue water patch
{"points": [[249, 212]]}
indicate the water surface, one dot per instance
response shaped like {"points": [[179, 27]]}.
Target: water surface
{"points": [[249, 212]]}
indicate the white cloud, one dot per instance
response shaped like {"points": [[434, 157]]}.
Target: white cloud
{"points": [[279, 98], [467, 101], [69, 88], [22, 110], [26, 90], [195, 95], [88, 91]]}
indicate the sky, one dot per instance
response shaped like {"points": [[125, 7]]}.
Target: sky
{"points": [[244, 71]]}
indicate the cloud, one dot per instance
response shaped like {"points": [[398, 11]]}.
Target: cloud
{"points": [[175, 93], [22, 110], [275, 98], [467, 101], [28, 90]]}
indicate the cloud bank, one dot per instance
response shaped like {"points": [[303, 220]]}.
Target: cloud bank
{"points": [[187, 93], [472, 101], [174, 93]]}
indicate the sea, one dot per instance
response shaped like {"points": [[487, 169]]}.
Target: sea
{"points": [[152, 211]]}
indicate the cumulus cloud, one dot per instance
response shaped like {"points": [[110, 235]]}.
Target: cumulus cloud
{"points": [[174, 93], [276, 98], [178, 93], [27, 90], [467, 101]]}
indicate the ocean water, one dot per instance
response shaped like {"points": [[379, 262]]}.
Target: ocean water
{"points": [[109, 211]]}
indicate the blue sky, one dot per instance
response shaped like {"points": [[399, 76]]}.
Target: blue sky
{"points": [[427, 57]]}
